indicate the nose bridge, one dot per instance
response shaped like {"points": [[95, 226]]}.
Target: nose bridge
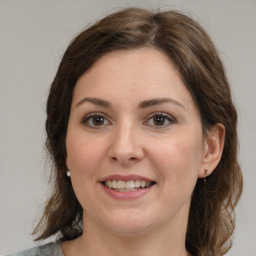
{"points": [[125, 146], [125, 133]]}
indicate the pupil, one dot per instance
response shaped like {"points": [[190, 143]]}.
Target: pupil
{"points": [[98, 120], [159, 120]]}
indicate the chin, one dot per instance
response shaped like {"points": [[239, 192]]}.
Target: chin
{"points": [[128, 230], [130, 223]]}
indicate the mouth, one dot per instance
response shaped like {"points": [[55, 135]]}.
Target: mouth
{"points": [[127, 186]]}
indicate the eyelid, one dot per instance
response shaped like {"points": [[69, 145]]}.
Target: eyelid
{"points": [[160, 113], [95, 114]]}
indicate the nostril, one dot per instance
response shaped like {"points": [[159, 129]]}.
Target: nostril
{"points": [[114, 158]]}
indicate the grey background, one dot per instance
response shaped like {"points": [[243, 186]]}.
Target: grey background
{"points": [[33, 37]]}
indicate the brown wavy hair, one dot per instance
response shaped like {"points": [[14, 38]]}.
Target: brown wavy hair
{"points": [[211, 217]]}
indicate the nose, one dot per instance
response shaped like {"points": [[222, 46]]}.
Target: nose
{"points": [[126, 147]]}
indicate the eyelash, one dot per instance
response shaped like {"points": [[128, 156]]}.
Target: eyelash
{"points": [[166, 117], [90, 117], [85, 121]]}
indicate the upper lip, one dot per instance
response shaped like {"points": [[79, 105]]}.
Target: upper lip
{"points": [[125, 178]]}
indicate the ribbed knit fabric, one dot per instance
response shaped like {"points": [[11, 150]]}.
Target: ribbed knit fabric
{"points": [[50, 249]]}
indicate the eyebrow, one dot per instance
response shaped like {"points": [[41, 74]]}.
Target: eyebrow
{"points": [[95, 101], [142, 104], [158, 101]]}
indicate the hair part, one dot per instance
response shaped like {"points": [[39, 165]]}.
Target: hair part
{"points": [[211, 216]]}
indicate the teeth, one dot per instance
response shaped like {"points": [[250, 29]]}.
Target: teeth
{"points": [[136, 183], [120, 184], [143, 184], [114, 183], [109, 184], [131, 185]]}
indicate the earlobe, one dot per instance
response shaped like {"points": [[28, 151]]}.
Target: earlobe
{"points": [[214, 144], [67, 163]]}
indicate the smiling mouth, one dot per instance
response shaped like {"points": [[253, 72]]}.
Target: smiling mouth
{"points": [[127, 186]]}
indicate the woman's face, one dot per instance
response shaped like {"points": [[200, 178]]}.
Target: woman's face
{"points": [[134, 126]]}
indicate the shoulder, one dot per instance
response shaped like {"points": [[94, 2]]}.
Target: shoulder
{"points": [[50, 249]]}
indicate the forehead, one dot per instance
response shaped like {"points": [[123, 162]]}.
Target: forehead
{"points": [[133, 74]]}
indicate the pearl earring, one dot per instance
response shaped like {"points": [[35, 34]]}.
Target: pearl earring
{"points": [[206, 173], [68, 173]]}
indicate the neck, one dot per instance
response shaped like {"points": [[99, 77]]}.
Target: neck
{"points": [[164, 240]]}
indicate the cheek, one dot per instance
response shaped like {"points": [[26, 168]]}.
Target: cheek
{"points": [[84, 154], [178, 161]]}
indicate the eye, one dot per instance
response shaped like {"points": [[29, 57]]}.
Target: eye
{"points": [[160, 120], [95, 121]]}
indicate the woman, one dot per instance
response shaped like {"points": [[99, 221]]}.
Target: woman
{"points": [[142, 132]]}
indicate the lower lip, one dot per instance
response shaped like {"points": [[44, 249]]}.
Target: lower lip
{"points": [[126, 195]]}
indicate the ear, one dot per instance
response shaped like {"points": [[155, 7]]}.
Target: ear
{"points": [[213, 148], [67, 162]]}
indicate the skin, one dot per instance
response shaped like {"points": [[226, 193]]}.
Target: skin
{"points": [[129, 140]]}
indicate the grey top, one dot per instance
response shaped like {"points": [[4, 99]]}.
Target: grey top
{"points": [[50, 249]]}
